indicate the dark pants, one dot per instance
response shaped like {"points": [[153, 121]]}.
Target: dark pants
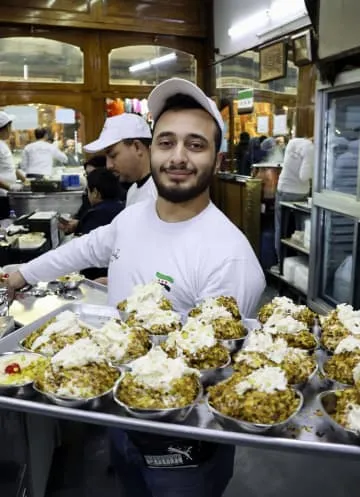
{"points": [[209, 479]]}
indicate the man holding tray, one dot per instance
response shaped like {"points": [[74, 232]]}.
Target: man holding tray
{"points": [[181, 235]]}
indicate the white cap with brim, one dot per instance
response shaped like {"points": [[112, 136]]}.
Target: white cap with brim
{"points": [[5, 118], [173, 86], [118, 128]]}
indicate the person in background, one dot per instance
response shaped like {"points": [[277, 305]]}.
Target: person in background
{"points": [[241, 152], [125, 139], [8, 172], [103, 196], [274, 152], [294, 179], [69, 226], [255, 154], [73, 158], [38, 157], [184, 236]]}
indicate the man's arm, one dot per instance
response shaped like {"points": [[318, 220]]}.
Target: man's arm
{"points": [[60, 156], [240, 278], [92, 250], [307, 165]]}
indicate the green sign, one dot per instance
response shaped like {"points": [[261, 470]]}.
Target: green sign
{"points": [[245, 101]]}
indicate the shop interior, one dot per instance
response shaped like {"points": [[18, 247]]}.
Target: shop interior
{"points": [[276, 74]]}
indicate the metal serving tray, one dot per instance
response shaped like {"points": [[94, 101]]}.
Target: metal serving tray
{"points": [[308, 432]]}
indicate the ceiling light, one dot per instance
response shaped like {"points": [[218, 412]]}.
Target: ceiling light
{"points": [[249, 24], [153, 62], [283, 9]]}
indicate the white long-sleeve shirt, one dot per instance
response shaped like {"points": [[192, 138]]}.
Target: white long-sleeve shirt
{"points": [[297, 167], [38, 158], [7, 166], [204, 256]]}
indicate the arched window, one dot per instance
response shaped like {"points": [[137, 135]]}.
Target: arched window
{"points": [[40, 60], [149, 65]]}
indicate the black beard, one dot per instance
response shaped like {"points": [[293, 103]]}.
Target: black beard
{"points": [[179, 195]]}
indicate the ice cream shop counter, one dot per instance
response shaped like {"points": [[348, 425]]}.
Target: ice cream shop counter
{"points": [[24, 202]]}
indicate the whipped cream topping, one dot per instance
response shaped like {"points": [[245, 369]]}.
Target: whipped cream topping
{"points": [[278, 324], [150, 315], [211, 309], [275, 349], [268, 380], [151, 292], [82, 352], [287, 305], [66, 323], [356, 374], [353, 417], [157, 370], [113, 339], [194, 336], [349, 318], [348, 344]]}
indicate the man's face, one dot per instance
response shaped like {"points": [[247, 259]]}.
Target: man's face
{"points": [[183, 154], [122, 160]]}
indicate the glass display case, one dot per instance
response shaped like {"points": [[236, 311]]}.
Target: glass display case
{"points": [[335, 242]]}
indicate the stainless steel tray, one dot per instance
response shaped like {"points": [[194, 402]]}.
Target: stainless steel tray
{"points": [[27, 309], [308, 432]]}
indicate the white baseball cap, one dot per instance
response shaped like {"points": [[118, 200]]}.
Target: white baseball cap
{"points": [[166, 89], [118, 128], [5, 118]]}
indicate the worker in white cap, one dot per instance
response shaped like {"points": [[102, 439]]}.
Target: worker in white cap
{"points": [[126, 139], [182, 241], [8, 173]]}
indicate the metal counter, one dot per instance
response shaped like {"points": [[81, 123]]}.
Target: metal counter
{"points": [[26, 202]]}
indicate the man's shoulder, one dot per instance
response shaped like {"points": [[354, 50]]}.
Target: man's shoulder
{"points": [[136, 209], [221, 230]]}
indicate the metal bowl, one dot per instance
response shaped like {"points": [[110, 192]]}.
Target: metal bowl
{"points": [[173, 415], [234, 424], [89, 403], [235, 344], [71, 285], [214, 375], [330, 382], [327, 401], [302, 385], [25, 349], [24, 389]]}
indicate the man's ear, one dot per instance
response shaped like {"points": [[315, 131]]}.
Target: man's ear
{"points": [[219, 159]]}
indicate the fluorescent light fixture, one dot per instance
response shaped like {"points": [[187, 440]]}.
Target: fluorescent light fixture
{"points": [[139, 67], [249, 24], [164, 58], [153, 62], [285, 9], [26, 71]]}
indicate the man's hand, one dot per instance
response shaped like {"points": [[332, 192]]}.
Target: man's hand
{"points": [[69, 226], [14, 282]]}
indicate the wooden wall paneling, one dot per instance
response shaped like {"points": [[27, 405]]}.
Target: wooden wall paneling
{"points": [[179, 17], [305, 105]]}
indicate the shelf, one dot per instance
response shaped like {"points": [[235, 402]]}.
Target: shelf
{"points": [[297, 206], [283, 279], [295, 246]]}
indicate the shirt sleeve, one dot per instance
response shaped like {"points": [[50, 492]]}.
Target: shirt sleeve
{"points": [[239, 278], [60, 156], [25, 161], [92, 250], [307, 164]]}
